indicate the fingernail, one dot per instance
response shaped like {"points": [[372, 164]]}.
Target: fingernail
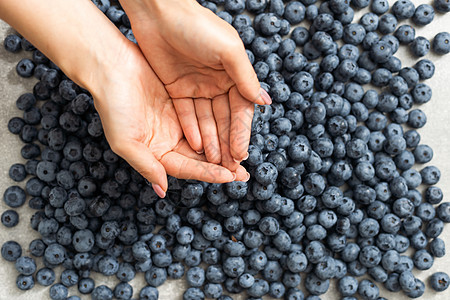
{"points": [[200, 152], [239, 161], [158, 190], [248, 177], [234, 176], [266, 98]]}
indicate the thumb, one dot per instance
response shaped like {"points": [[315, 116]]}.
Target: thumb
{"points": [[143, 161], [238, 67]]}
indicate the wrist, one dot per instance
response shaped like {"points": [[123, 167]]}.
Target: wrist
{"points": [[93, 62], [137, 9]]}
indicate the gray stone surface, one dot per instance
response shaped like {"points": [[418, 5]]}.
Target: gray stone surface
{"points": [[436, 133]]}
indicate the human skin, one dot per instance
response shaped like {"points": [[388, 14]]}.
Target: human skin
{"points": [[203, 64], [138, 116]]}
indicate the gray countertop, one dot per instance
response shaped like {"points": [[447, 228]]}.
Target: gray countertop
{"points": [[436, 134]]}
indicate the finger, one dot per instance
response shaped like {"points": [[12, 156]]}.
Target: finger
{"points": [[143, 161], [180, 166], [188, 119], [239, 68], [208, 129], [241, 124], [222, 114], [242, 174]]}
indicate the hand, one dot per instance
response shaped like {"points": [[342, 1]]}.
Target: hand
{"points": [[141, 125], [198, 56], [138, 116]]}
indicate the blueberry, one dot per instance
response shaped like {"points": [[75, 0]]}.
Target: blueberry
{"points": [[403, 9], [272, 271], [417, 118], [126, 272], [25, 265], [25, 68], [387, 23], [381, 51], [69, 278], [315, 285], [348, 286], [433, 195], [418, 240], [212, 230], [392, 283], [213, 290], [151, 293], [325, 269], [420, 46], [195, 277], [425, 68], [443, 212], [55, 254], [346, 69], [191, 294], [14, 196], [441, 6], [37, 247], [311, 12], [418, 291], [356, 148], [294, 12], [390, 260], [233, 266], [123, 291], [368, 290], [12, 43], [300, 36], [11, 250], [434, 228], [59, 292], [369, 227], [430, 175], [25, 282], [423, 260], [10, 218], [423, 15], [441, 43], [269, 25], [439, 281], [102, 292], [210, 5], [236, 189], [234, 7], [423, 154], [302, 82], [405, 264]]}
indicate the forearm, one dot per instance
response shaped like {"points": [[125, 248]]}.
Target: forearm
{"points": [[74, 34]]}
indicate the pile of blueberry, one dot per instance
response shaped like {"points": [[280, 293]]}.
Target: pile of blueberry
{"points": [[334, 191]]}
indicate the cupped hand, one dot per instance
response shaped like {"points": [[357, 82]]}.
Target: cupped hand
{"points": [[205, 69], [141, 125]]}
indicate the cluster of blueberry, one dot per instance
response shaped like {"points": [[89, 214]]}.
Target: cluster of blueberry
{"points": [[334, 192]]}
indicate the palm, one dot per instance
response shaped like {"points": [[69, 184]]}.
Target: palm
{"points": [[141, 124], [200, 59], [183, 58], [146, 116]]}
